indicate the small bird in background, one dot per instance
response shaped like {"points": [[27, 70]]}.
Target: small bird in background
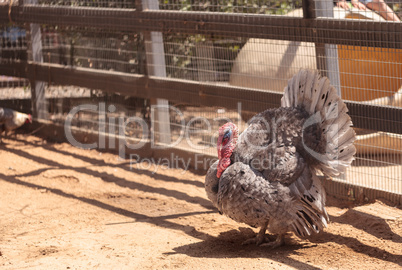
{"points": [[11, 120], [267, 177]]}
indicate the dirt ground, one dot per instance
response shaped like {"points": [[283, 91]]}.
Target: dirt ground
{"points": [[68, 208]]}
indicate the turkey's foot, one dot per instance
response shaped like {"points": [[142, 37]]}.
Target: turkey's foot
{"points": [[258, 240], [279, 241]]}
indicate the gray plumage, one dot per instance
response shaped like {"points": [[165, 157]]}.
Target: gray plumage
{"points": [[11, 120], [272, 180]]}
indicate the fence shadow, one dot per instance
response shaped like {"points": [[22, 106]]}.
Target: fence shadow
{"points": [[373, 225], [127, 166], [228, 245], [158, 221], [122, 182]]}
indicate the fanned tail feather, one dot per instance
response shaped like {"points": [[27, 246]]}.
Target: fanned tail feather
{"points": [[310, 214], [314, 94]]}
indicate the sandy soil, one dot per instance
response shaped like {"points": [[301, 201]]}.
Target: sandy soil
{"points": [[68, 208]]}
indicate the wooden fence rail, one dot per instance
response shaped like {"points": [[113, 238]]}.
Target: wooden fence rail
{"points": [[364, 116], [317, 30]]}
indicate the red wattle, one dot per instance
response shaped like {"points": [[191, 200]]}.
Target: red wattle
{"points": [[222, 165]]}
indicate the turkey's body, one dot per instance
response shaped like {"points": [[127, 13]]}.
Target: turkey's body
{"points": [[10, 119], [271, 181]]}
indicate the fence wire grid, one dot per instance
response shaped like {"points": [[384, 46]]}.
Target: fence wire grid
{"points": [[366, 74]]}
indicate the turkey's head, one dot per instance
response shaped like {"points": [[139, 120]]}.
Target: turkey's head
{"points": [[227, 139], [29, 119]]}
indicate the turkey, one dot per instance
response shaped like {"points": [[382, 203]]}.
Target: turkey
{"points": [[10, 120], [268, 176]]}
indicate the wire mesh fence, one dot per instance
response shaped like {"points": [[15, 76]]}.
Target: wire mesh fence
{"points": [[91, 48], [368, 74], [90, 3], [13, 43], [233, 6]]}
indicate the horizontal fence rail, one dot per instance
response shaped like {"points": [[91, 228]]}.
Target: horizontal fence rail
{"points": [[364, 116], [319, 30]]}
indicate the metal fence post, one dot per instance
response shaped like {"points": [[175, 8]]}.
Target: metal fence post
{"points": [[38, 99], [326, 54], [156, 66]]}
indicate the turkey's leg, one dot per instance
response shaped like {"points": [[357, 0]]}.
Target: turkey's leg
{"points": [[260, 239]]}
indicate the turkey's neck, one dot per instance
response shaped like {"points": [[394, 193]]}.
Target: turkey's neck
{"points": [[225, 155]]}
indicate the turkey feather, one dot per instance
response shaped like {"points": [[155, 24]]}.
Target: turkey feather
{"points": [[268, 177]]}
